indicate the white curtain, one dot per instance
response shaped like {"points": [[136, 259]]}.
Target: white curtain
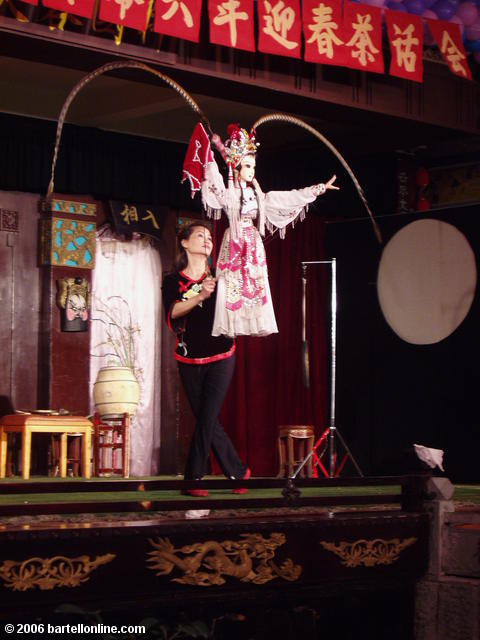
{"points": [[132, 270]]}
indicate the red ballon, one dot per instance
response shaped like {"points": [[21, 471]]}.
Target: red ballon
{"points": [[422, 204], [422, 178]]}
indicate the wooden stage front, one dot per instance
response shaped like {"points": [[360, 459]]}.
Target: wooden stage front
{"points": [[128, 547]]}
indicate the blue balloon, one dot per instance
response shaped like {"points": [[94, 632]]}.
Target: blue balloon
{"points": [[472, 45], [396, 6], [415, 6], [444, 9]]}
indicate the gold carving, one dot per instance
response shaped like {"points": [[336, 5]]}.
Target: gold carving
{"points": [[369, 552], [69, 206], [69, 243], [205, 564], [49, 573]]}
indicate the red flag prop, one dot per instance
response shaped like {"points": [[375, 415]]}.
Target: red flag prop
{"points": [[363, 37], [405, 35], [231, 23], [198, 155], [178, 18], [279, 27], [83, 8], [323, 32], [128, 13], [448, 39]]}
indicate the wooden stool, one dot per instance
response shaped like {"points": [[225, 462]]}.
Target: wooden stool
{"points": [[288, 436], [73, 455], [27, 424], [111, 445]]}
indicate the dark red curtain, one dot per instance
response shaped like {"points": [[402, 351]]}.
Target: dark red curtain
{"points": [[268, 388]]}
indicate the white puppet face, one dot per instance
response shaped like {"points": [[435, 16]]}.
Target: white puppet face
{"points": [[247, 169]]}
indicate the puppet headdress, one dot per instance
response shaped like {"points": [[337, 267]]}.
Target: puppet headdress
{"points": [[239, 144]]}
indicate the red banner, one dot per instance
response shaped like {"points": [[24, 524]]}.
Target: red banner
{"points": [[405, 35], [178, 18], [363, 37], [448, 39], [279, 27], [128, 13], [83, 8], [231, 23], [323, 32]]}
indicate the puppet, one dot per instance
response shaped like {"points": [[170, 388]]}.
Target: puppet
{"points": [[244, 303]]}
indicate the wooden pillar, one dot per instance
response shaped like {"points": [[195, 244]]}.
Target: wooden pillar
{"points": [[67, 257]]}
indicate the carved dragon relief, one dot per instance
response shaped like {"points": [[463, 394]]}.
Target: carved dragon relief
{"points": [[204, 564]]}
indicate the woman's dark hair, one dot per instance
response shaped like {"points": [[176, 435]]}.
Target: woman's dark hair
{"points": [[184, 234]]}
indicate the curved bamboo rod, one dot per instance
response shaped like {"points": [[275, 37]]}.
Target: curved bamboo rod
{"points": [[112, 66], [280, 117]]}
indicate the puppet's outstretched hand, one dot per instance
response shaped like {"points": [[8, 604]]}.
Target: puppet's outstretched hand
{"points": [[320, 189]]}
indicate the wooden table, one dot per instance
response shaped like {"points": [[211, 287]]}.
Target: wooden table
{"points": [[26, 424]]}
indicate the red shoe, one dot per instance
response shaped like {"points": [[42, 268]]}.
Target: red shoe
{"points": [[242, 490], [196, 493]]}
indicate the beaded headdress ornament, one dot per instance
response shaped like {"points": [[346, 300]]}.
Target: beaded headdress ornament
{"points": [[239, 144]]}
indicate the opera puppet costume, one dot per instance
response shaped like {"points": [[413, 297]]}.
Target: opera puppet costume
{"points": [[244, 302]]}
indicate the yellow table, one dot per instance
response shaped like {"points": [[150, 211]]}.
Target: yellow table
{"points": [[26, 424]]}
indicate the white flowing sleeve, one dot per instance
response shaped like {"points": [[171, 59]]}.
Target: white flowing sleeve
{"points": [[213, 191], [284, 207]]}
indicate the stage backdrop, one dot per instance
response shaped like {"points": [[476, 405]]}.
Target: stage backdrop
{"points": [[392, 393]]}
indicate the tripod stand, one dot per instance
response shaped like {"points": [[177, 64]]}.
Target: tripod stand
{"points": [[326, 442]]}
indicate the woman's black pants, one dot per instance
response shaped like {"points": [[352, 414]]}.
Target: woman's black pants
{"points": [[206, 386]]}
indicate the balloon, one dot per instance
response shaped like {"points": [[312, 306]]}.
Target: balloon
{"points": [[374, 3], [396, 6], [428, 3], [421, 177], [472, 45], [467, 12], [422, 204], [415, 6], [428, 39], [472, 32], [456, 20], [444, 9]]}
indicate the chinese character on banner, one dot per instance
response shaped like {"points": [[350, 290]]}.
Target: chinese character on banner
{"points": [[178, 18], [448, 39], [128, 13], [83, 8], [405, 34], [363, 37], [279, 27], [231, 23], [323, 31]]}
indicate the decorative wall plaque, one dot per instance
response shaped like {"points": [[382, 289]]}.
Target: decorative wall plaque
{"points": [[68, 243], [9, 221], [69, 206]]}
